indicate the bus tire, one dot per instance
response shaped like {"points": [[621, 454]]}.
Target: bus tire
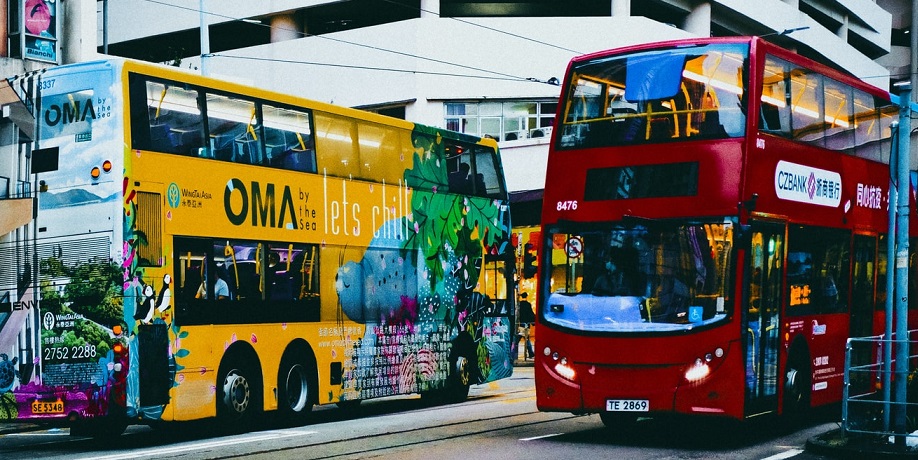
{"points": [[463, 357], [237, 395], [297, 386], [797, 385]]}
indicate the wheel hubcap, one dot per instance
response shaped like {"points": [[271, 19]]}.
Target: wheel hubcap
{"points": [[236, 392], [462, 370], [297, 388]]}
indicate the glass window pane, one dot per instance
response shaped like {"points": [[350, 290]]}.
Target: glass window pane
{"points": [[888, 115], [335, 147], [487, 177], [176, 125], [519, 109], [470, 126], [867, 127], [490, 109], [619, 100], [817, 270], [490, 127], [380, 150], [775, 112], [808, 115], [233, 128], [288, 139], [839, 122], [461, 108]]}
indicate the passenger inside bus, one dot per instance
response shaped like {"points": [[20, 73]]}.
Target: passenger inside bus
{"points": [[620, 276], [221, 289]]}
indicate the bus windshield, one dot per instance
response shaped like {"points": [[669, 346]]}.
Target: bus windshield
{"points": [[665, 277], [657, 96]]}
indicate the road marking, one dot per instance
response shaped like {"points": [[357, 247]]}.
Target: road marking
{"points": [[783, 455], [541, 437], [185, 448]]}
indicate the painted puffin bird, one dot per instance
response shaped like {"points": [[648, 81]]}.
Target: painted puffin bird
{"points": [[144, 311]]}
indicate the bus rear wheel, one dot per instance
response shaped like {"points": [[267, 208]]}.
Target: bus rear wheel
{"points": [[295, 398]]}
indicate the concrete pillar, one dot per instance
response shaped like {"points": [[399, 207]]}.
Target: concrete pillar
{"points": [[698, 21], [842, 31], [621, 8], [430, 8], [286, 27], [78, 35]]}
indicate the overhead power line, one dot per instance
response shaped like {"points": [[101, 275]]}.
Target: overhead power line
{"points": [[504, 76], [383, 69], [475, 24]]}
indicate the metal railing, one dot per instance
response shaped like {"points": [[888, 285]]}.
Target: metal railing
{"points": [[23, 189], [867, 406]]}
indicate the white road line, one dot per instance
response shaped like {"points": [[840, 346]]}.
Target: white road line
{"points": [[183, 448], [783, 455], [541, 437]]}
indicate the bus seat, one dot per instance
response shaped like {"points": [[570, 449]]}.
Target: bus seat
{"points": [[186, 140], [300, 160], [222, 146], [161, 138], [247, 151]]}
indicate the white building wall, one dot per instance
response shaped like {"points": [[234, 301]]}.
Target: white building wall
{"points": [[489, 65], [146, 18]]}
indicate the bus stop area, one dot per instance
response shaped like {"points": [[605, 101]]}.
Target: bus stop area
{"points": [[871, 419]]}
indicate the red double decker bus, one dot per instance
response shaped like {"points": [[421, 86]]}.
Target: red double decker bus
{"points": [[714, 229]]}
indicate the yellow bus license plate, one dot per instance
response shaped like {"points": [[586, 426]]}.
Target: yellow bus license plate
{"points": [[48, 407]]}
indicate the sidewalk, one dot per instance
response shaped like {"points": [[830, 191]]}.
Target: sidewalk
{"points": [[857, 446]]}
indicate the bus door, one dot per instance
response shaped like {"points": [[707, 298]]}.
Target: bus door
{"points": [[764, 271], [152, 337], [863, 303]]}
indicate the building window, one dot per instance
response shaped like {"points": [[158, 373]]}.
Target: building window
{"points": [[505, 121]]}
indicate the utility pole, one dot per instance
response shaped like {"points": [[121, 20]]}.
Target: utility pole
{"points": [[904, 192], [205, 40]]}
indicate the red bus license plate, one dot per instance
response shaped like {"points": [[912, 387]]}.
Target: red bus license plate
{"points": [[48, 407], [627, 405]]}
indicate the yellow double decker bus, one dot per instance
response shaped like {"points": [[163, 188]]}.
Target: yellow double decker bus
{"points": [[207, 249]]}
